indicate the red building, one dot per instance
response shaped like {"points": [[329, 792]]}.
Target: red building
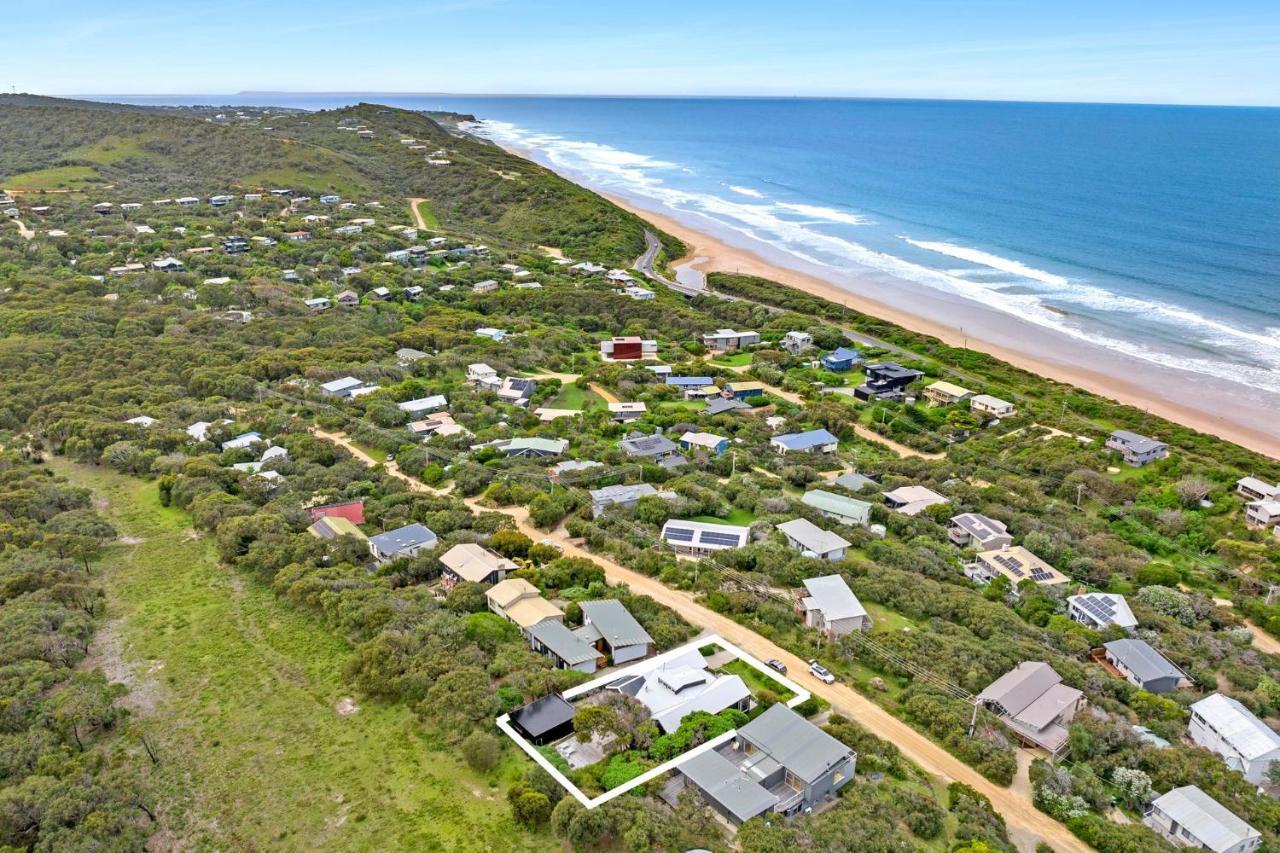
{"points": [[352, 511], [628, 349]]}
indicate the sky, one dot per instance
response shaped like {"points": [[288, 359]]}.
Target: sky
{"points": [[1149, 51]]}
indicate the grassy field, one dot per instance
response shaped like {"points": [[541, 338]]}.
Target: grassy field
{"points": [[111, 149], [239, 695], [734, 359], [573, 396], [428, 215], [755, 680], [53, 178], [735, 516]]}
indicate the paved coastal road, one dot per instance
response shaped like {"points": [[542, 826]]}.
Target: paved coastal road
{"points": [[644, 264], [1027, 825]]}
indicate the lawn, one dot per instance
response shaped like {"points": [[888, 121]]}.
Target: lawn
{"points": [[884, 620], [239, 694], [736, 359], [53, 178], [735, 516], [573, 396], [755, 679]]}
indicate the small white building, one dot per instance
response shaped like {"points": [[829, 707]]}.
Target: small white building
{"points": [[797, 342], [830, 606], [1221, 724], [1097, 610], [994, 407], [1188, 817], [812, 541]]}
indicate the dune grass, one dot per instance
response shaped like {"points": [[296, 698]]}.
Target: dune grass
{"points": [[53, 178], [239, 695]]}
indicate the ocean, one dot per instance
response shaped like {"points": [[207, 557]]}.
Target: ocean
{"points": [[1152, 232]]}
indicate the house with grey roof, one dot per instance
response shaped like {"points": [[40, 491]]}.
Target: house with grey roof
{"points": [[569, 651], [778, 763], [531, 447], [1137, 450], [912, 500], [340, 387], [828, 605], [1188, 817], [610, 627], [405, 541], [674, 686], [812, 541], [653, 448], [850, 511], [1143, 666], [854, 482], [1254, 489], [1034, 703], [1097, 610], [724, 405], [624, 496], [974, 530], [703, 538], [810, 441], [406, 356], [424, 405], [1221, 724]]}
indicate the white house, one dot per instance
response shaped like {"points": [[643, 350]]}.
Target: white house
{"points": [[728, 339], [985, 404], [1221, 724], [1097, 610], [1188, 817], [797, 342], [812, 541], [830, 606]]}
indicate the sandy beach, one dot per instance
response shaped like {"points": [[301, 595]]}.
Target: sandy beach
{"points": [[715, 254]]}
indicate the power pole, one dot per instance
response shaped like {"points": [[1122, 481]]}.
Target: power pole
{"points": [[973, 723], [1079, 493]]}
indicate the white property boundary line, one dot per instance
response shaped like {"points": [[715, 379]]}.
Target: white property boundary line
{"points": [[504, 722]]}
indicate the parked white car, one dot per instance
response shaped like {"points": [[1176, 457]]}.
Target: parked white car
{"points": [[821, 673]]}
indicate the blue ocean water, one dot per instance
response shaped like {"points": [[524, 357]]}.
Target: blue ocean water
{"points": [[1150, 230]]}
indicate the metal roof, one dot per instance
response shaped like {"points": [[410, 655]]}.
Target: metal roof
{"points": [[1209, 821], [1107, 608], [825, 501], [562, 642], [409, 536], [725, 783], [1238, 726], [615, 623], [832, 597], [811, 537], [794, 742], [544, 715], [1142, 660], [474, 563], [806, 440]]}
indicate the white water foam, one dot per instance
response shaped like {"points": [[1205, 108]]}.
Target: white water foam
{"points": [[747, 191], [639, 174]]}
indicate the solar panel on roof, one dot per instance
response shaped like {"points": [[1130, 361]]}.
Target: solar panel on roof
{"points": [[1041, 575], [679, 534], [713, 538]]}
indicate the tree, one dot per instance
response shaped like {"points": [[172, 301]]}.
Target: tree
{"points": [[1192, 489], [457, 701], [481, 751], [532, 808]]}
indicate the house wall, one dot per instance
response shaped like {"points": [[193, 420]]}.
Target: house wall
{"points": [[1180, 836], [1255, 771], [623, 654], [833, 780]]}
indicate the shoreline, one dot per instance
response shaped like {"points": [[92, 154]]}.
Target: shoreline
{"points": [[707, 253]]}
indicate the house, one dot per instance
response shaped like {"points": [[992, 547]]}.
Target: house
{"points": [[441, 423], [1188, 817], [1254, 489], [127, 269], [330, 199], [688, 383], [842, 360], [739, 390], [992, 407], [812, 541], [297, 236], [491, 333], [571, 467], [944, 393], [518, 601], [407, 541], [341, 387], [423, 405], [532, 447], [779, 763], [728, 339], [625, 413], [587, 267], [220, 200], [624, 496], [381, 293], [353, 511], [678, 684], [1017, 564], [347, 298], [516, 391], [724, 405], [169, 264], [628, 349], [610, 627], [199, 431], [481, 374], [332, 528], [831, 607], [489, 285], [974, 530], [318, 303], [1224, 726], [638, 293], [245, 439], [1032, 701], [103, 207], [545, 720], [885, 380], [652, 448], [292, 277], [413, 292], [619, 277], [855, 482], [566, 648], [406, 356], [143, 421], [1097, 610], [475, 564], [912, 500], [811, 441], [710, 442], [702, 538], [850, 511], [1137, 450], [1143, 666], [1262, 514], [797, 342]]}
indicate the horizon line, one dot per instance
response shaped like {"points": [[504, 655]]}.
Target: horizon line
{"points": [[756, 97]]}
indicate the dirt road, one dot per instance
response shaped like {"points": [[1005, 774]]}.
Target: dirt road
{"points": [[1026, 824], [417, 214]]}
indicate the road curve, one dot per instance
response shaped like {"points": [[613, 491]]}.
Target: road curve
{"points": [[1027, 824], [644, 264]]}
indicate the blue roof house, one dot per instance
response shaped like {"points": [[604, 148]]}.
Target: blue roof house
{"points": [[812, 441], [842, 360]]}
